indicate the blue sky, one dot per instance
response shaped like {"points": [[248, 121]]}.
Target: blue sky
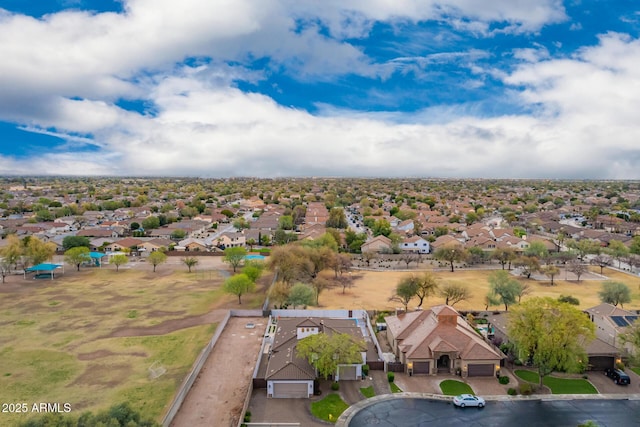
{"points": [[216, 88]]}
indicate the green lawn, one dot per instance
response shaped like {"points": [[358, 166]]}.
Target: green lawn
{"points": [[329, 408], [636, 370], [559, 385], [454, 388], [395, 388], [530, 376], [367, 391]]}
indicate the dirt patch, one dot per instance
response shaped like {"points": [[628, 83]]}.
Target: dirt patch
{"points": [[160, 313], [99, 354], [219, 391], [170, 325], [104, 375]]}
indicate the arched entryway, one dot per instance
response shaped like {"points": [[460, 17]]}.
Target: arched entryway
{"points": [[444, 364]]}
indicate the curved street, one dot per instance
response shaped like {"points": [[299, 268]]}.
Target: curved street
{"points": [[411, 412]]}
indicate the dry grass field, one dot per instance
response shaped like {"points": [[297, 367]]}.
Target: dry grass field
{"points": [[88, 338], [372, 289]]}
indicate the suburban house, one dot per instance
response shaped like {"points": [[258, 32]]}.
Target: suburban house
{"points": [[231, 240], [415, 244], [154, 245], [611, 321], [191, 245], [439, 340], [290, 376], [125, 243], [601, 354], [379, 244]]}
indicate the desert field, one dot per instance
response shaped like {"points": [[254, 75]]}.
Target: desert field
{"points": [[372, 289], [88, 338]]}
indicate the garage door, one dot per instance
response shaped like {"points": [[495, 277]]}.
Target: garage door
{"points": [[421, 367], [600, 363], [478, 370], [347, 373], [290, 390]]}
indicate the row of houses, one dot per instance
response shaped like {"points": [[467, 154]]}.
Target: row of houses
{"points": [[436, 341]]}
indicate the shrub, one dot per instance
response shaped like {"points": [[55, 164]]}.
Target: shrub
{"points": [[391, 376], [503, 380], [526, 389], [517, 362], [335, 386], [365, 370], [620, 365], [512, 391], [569, 299]]}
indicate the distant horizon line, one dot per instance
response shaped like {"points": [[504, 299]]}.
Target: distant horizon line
{"points": [[332, 177]]}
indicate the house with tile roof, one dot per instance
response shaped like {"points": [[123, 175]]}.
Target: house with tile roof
{"points": [[440, 341], [291, 376]]}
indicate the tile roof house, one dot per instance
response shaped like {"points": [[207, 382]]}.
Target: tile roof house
{"points": [[290, 376], [379, 244], [439, 340]]}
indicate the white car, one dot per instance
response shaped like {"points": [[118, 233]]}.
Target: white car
{"points": [[468, 400]]}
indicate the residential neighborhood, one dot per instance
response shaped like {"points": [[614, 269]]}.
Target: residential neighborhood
{"points": [[424, 281]]}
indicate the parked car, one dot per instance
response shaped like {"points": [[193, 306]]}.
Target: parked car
{"points": [[619, 377], [464, 400]]}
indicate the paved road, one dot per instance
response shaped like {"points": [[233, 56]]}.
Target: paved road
{"points": [[570, 413]]}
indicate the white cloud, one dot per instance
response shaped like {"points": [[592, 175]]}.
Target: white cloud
{"points": [[65, 71]]}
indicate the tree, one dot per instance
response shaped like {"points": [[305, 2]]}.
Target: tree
{"points": [[190, 262], [5, 268], [476, 255], [301, 295], [251, 242], [408, 258], [340, 263], [551, 271], [368, 257], [602, 261], [381, 227], [326, 352], [405, 291], [427, 285], [504, 256], [75, 241], [617, 250], [337, 218], [577, 268], [118, 260], [235, 256], [285, 222], [77, 255], [584, 247], [537, 249], [151, 222], [550, 333], [37, 251], [528, 265], [253, 270], [450, 254], [454, 293], [504, 288], [281, 237], [178, 234], [156, 258], [631, 336], [615, 293], [634, 247], [13, 250], [238, 285], [292, 263], [319, 284]]}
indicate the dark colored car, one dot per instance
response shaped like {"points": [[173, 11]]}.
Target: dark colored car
{"points": [[619, 377]]}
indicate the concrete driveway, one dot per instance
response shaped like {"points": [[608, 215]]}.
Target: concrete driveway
{"points": [[483, 386]]}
